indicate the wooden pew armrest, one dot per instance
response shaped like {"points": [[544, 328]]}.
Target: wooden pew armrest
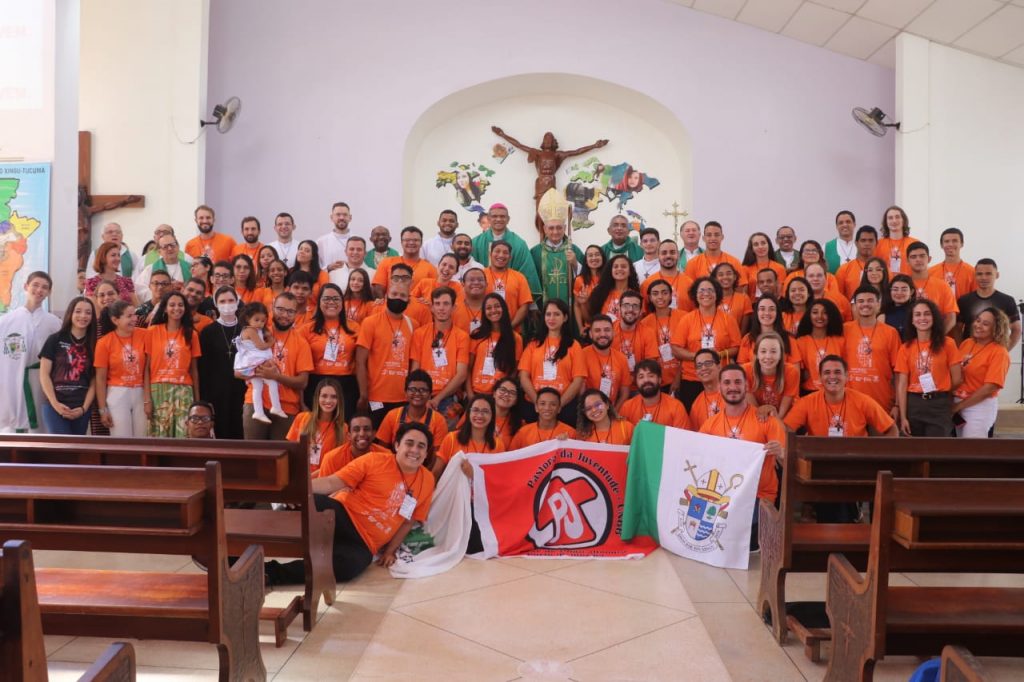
{"points": [[116, 664], [249, 562], [842, 572]]}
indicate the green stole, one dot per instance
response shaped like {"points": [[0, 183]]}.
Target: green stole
{"points": [[186, 269], [126, 263], [553, 268]]}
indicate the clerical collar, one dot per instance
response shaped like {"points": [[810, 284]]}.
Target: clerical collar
{"points": [[554, 245]]}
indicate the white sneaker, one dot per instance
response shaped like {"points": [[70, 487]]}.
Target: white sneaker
{"points": [[261, 418]]}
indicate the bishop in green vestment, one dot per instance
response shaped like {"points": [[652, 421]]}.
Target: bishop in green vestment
{"points": [[522, 262]]}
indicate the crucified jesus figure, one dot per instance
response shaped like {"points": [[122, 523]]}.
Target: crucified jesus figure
{"points": [[547, 159]]}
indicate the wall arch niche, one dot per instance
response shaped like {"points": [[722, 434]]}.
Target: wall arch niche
{"points": [[578, 110]]}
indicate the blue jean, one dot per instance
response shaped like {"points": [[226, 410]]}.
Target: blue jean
{"points": [[57, 424]]}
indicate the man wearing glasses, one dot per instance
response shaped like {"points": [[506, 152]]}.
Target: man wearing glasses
{"points": [[290, 368], [171, 261], [199, 422], [418, 387], [412, 242]]}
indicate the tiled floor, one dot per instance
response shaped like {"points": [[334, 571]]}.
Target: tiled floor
{"points": [[662, 618]]}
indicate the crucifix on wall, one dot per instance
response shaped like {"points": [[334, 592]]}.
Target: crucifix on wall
{"points": [[90, 204]]}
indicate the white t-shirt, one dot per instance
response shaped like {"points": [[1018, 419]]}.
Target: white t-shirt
{"points": [[286, 252]]}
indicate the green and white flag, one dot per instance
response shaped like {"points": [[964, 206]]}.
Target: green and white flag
{"points": [[693, 493]]}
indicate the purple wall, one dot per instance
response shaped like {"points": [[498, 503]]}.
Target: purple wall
{"points": [[332, 89]]}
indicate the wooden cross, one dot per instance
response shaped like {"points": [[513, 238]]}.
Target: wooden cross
{"points": [[675, 214], [89, 204]]}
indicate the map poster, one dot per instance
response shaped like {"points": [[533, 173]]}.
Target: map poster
{"points": [[24, 228]]}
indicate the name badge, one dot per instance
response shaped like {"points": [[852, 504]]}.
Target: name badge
{"points": [[474, 324], [550, 370], [894, 264], [488, 369], [675, 301], [648, 417], [927, 382], [331, 351], [631, 362], [376, 405], [440, 357], [835, 432], [408, 507], [314, 454], [606, 387], [666, 351], [707, 341]]}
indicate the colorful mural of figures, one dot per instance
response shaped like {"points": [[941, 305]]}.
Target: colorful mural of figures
{"points": [[500, 152], [470, 181], [592, 182]]}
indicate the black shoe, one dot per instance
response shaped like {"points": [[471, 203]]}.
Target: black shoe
{"points": [[272, 573]]}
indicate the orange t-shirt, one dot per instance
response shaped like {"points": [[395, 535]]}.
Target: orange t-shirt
{"points": [[565, 370], [480, 349], [752, 430], [939, 293], [608, 373], [668, 411], [266, 296], [778, 268], [702, 264], [845, 309], [450, 446], [852, 416], [322, 441], [433, 420], [454, 347], [579, 288], [466, 319], [200, 322], [659, 334], [812, 350], [849, 276], [915, 357], [680, 284], [638, 344], [511, 286], [619, 432], [123, 358], [425, 287], [333, 342], [379, 488], [746, 351], [695, 331], [768, 393], [389, 345], [242, 248], [704, 407], [170, 357], [986, 364], [871, 354], [421, 269], [292, 357], [251, 296], [334, 460], [356, 310], [738, 305], [894, 253], [416, 311], [218, 247], [960, 279], [791, 321], [531, 434]]}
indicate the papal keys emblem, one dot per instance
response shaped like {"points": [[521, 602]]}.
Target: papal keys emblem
{"points": [[703, 510]]}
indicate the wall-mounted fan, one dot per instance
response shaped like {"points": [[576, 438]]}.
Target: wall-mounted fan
{"points": [[224, 115], [873, 120]]}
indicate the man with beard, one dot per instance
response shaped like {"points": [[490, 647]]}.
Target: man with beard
{"points": [[668, 259], [690, 233], [195, 294], [607, 368], [739, 420], [441, 243], [412, 242], [636, 343], [213, 245], [709, 402], [290, 368], [383, 350], [250, 245], [462, 247], [360, 442], [331, 246], [652, 405], [380, 238]]}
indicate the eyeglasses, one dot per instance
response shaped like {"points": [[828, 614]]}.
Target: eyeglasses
{"points": [[330, 299], [159, 284], [705, 364], [418, 390], [200, 419], [221, 275], [401, 278], [284, 311], [629, 306], [510, 392]]}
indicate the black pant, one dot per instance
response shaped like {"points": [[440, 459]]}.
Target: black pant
{"points": [[351, 555], [930, 417], [688, 392]]}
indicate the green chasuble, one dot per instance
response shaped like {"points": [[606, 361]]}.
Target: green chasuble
{"points": [[631, 248], [555, 276], [522, 261], [683, 257], [374, 257]]}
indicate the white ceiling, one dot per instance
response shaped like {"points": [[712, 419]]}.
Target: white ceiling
{"points": [[865, 29]]}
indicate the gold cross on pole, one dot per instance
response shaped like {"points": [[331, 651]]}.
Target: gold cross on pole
{"points": [[675, 214]]}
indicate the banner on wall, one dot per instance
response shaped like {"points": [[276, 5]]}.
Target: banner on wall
{"points": [[24, 227], [557, 499], [693, 493]]}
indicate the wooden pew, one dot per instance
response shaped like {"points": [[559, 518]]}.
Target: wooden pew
{"points": [[967, 525], [958, 665], [22, 653], [260, 472], [844, 470], [147, 511]]}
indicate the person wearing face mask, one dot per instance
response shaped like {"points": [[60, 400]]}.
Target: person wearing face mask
{"points": [[216, 365], [383, 351]]}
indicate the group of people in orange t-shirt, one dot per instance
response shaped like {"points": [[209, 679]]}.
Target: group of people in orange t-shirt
{"points": [[859, 337]]}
